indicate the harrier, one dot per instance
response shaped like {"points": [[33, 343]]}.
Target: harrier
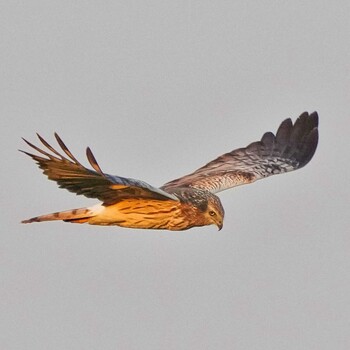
{"points": [[183, 203]]}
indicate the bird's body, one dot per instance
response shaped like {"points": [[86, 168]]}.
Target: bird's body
{"points": [[182, 203], [143, 213]]}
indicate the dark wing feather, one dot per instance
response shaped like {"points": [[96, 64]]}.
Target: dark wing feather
{"points": [[74, 177], [291, 149]]}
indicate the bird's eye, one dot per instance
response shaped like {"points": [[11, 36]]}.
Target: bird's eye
{"points": [[212, 213]]}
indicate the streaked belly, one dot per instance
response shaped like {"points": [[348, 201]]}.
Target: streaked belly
{"points": [[142, 213]]}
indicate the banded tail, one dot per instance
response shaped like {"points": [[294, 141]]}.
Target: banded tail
{"points": [[78, 216]]}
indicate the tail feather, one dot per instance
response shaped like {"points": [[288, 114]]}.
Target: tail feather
{"points": [[80, 216]]}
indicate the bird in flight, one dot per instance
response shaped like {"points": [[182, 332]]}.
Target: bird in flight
{"points": [[183, 203]]}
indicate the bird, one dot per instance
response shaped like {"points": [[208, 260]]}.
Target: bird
{"points": [[183, 203]]}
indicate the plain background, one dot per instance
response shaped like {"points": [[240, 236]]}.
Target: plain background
{"points": [[157, 89]]}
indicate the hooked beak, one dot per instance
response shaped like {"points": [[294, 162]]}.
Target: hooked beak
{"points": [[220, 224]]}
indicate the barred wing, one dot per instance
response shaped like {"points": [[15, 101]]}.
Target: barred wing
{"points": [[74, 177], [291, 149]]}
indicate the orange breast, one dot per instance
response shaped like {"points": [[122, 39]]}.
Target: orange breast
{"points": [[143, 213]]}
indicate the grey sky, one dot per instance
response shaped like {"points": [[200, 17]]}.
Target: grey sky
{"points": [[157, 89]]}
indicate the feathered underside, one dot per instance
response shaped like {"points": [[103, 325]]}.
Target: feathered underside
{"points": [[290, 149]]}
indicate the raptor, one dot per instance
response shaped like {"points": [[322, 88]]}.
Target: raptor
{"points": [[183, 203]]}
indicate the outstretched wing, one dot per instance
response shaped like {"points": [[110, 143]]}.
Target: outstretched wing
{"points": [[74, 177], [291, 149]]}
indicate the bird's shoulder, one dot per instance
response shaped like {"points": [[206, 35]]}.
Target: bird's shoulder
{"points": [[192, 196]]}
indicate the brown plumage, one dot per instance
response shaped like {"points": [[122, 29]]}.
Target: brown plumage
{"points": [[182, 203]]}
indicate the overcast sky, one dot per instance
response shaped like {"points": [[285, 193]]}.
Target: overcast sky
{"points": [[157, 89]]}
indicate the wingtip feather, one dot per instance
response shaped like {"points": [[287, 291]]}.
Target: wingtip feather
{"points": [[92, 160]]}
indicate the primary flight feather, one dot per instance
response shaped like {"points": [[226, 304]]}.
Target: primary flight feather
{"points": [[182, 203]]}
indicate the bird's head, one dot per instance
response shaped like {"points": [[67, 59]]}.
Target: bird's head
{"points": [[205, 207], [214, 212]]}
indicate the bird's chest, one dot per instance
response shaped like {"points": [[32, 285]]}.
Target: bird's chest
{"points": [[149, 214], [186, 217], [141, 213]]}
